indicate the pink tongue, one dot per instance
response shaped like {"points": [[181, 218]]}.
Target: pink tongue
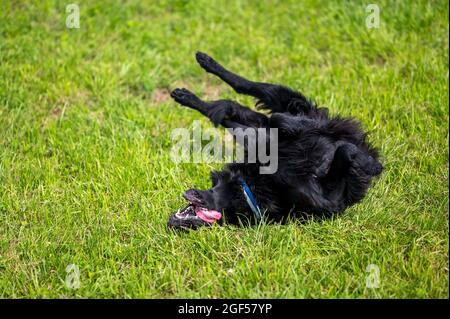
{"points": [[209, 216]]}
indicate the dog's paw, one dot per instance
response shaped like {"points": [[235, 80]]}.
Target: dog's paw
{"points": [[207, 63], [360, 159], [183, 96], [374, 168]]}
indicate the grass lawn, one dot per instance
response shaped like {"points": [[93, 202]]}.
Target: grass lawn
{"points": [[86, 176]]}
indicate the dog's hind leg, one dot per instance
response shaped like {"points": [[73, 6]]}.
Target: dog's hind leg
{"points": [[223, 112], [274, 97]]}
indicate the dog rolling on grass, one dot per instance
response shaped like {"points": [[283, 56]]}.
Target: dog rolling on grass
{"points": [[325, 163]]}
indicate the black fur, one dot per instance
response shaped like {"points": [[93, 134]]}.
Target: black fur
{"points": [[325, 163]]}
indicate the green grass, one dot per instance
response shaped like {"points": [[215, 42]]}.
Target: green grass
{"points": [[85, 171]]}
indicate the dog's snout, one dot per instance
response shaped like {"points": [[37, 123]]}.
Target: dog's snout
{"points": [[192, 195]]}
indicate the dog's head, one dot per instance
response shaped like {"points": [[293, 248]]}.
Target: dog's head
{"points": [[226, 196]]}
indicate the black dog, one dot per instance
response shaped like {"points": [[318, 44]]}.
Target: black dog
{"points": [[325, 164]]}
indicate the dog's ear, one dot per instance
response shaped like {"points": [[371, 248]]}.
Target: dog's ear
{"points": [[222, 176], [215, 175]]}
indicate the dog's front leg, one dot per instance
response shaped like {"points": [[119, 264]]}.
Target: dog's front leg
{"points": [[222, 112]]}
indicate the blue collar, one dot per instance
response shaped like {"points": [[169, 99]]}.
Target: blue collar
{"points": [[251, 200]]}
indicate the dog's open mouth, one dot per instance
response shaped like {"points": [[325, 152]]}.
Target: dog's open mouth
{"points": [[194, 216]]}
